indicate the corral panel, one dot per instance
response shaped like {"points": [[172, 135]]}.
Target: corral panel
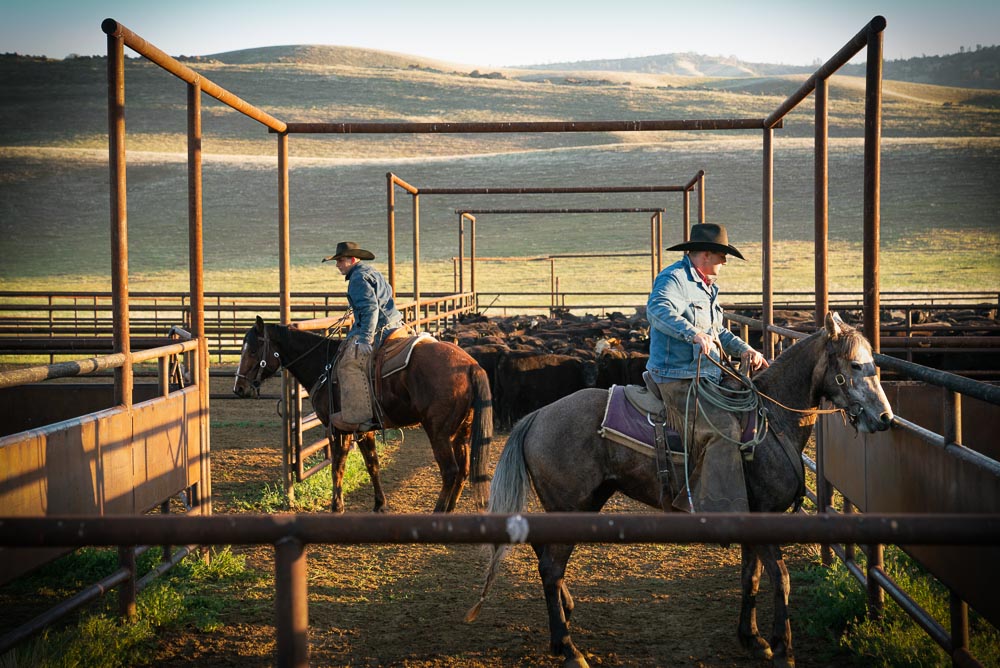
{"points": [[905, 474], [160, 449]]}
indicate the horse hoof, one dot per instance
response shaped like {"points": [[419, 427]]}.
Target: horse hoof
{"points": [[576, 662], [757, 647], [783, 662]]}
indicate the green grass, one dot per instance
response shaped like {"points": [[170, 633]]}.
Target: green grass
{"points": [[194, 595], [314, 493], [835, 608]]}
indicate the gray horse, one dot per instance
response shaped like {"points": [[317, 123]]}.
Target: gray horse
{"points": [[572, 468]]}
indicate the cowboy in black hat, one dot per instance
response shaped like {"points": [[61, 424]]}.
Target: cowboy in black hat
{"points": [[686, 326], [375, 317]]}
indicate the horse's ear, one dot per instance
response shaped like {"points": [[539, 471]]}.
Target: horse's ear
{"points": [[259, 325], [834, 325]]}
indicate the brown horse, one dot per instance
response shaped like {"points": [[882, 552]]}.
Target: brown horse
{"points": [[558, 451], [442, 389]]}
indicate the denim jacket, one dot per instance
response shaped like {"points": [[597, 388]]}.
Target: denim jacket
{"points": [[370, 297], [681, 305]]}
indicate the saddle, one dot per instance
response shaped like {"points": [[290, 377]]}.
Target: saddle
{"points": [[394, 355], [635, 417]]}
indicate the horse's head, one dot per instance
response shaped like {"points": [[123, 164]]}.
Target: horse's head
{"points": [[850, 381], [258, 361]]}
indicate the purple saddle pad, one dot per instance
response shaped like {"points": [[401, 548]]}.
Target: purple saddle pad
{"points": [[623, 419]]}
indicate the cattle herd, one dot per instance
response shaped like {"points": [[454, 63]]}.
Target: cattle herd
{"points": [[534, 360]]}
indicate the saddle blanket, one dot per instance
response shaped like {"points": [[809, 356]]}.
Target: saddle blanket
{"points": [[625, 424]]}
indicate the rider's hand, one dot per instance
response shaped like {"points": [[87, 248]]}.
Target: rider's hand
{"points": [[705, 341], [362, 348], [751, 360]]}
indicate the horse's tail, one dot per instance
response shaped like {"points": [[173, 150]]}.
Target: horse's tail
{"points": [[482, 435], [507, 495]]}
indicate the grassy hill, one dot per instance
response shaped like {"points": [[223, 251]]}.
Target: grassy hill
{"points": [[979, 68], [940, 159]]}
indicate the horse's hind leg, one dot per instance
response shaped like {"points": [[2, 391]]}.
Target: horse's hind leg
{"points": [[747, 632], [781, 631], [454, 467], [368, 452], [552, 560]]}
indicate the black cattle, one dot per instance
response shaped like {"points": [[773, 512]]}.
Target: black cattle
{"points": [[620, 367], [526, 381]]}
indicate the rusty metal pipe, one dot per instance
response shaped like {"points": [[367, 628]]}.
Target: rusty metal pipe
{"points": [[551, 191], [695, 180], [872, 189], [839, 59], [116, 30], [119, 217], [363, 528], [505, 211], [291, 602], [821, 202], [526, 126]]}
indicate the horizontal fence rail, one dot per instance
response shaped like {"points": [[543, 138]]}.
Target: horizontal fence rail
{"points": [[365, 528]]}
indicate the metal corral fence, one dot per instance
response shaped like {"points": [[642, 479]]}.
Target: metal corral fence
{"points": [[290, 534], [60, 323], [943, 461], [95, 454], [855, 465]]}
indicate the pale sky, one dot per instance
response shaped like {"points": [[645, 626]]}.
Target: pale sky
{"points": [[507, 32]]}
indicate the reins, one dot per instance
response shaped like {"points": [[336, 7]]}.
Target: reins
{"points": [[753, 388]]}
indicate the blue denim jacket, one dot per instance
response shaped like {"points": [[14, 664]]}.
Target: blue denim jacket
{"points": [[370, 297], [681, 305]]}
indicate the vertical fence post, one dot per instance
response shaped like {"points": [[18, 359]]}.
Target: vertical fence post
{"points": [[959, 612], [461, 253], [127, 589], [416, 253], [390, 208], [767, 241], [872, 187], [119, 218], [821, 202], [291, 603], [876, 595]]}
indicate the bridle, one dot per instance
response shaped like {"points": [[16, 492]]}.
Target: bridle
{"points": [[260, 372], [853, 409]]}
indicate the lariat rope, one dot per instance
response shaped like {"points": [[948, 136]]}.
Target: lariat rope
{"points": [[739, 400]]}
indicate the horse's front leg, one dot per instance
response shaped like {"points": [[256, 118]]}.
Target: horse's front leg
{"points": [[367, 447], [339, 447], [566, 597], [747, 632], [781, 631], [552, 562]]}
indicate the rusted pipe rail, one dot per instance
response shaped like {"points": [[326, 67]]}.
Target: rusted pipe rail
{"points": [[568, 190], [364, 528], [838, 60], [82, 367], [527, 126], [558, 210], [133, 41]]}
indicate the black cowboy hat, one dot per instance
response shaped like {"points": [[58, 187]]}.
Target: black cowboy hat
{"points": [[350, 249], [711, 237]]}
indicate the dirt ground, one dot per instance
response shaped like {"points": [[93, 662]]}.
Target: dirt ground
{"points": [[637, 605]]}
